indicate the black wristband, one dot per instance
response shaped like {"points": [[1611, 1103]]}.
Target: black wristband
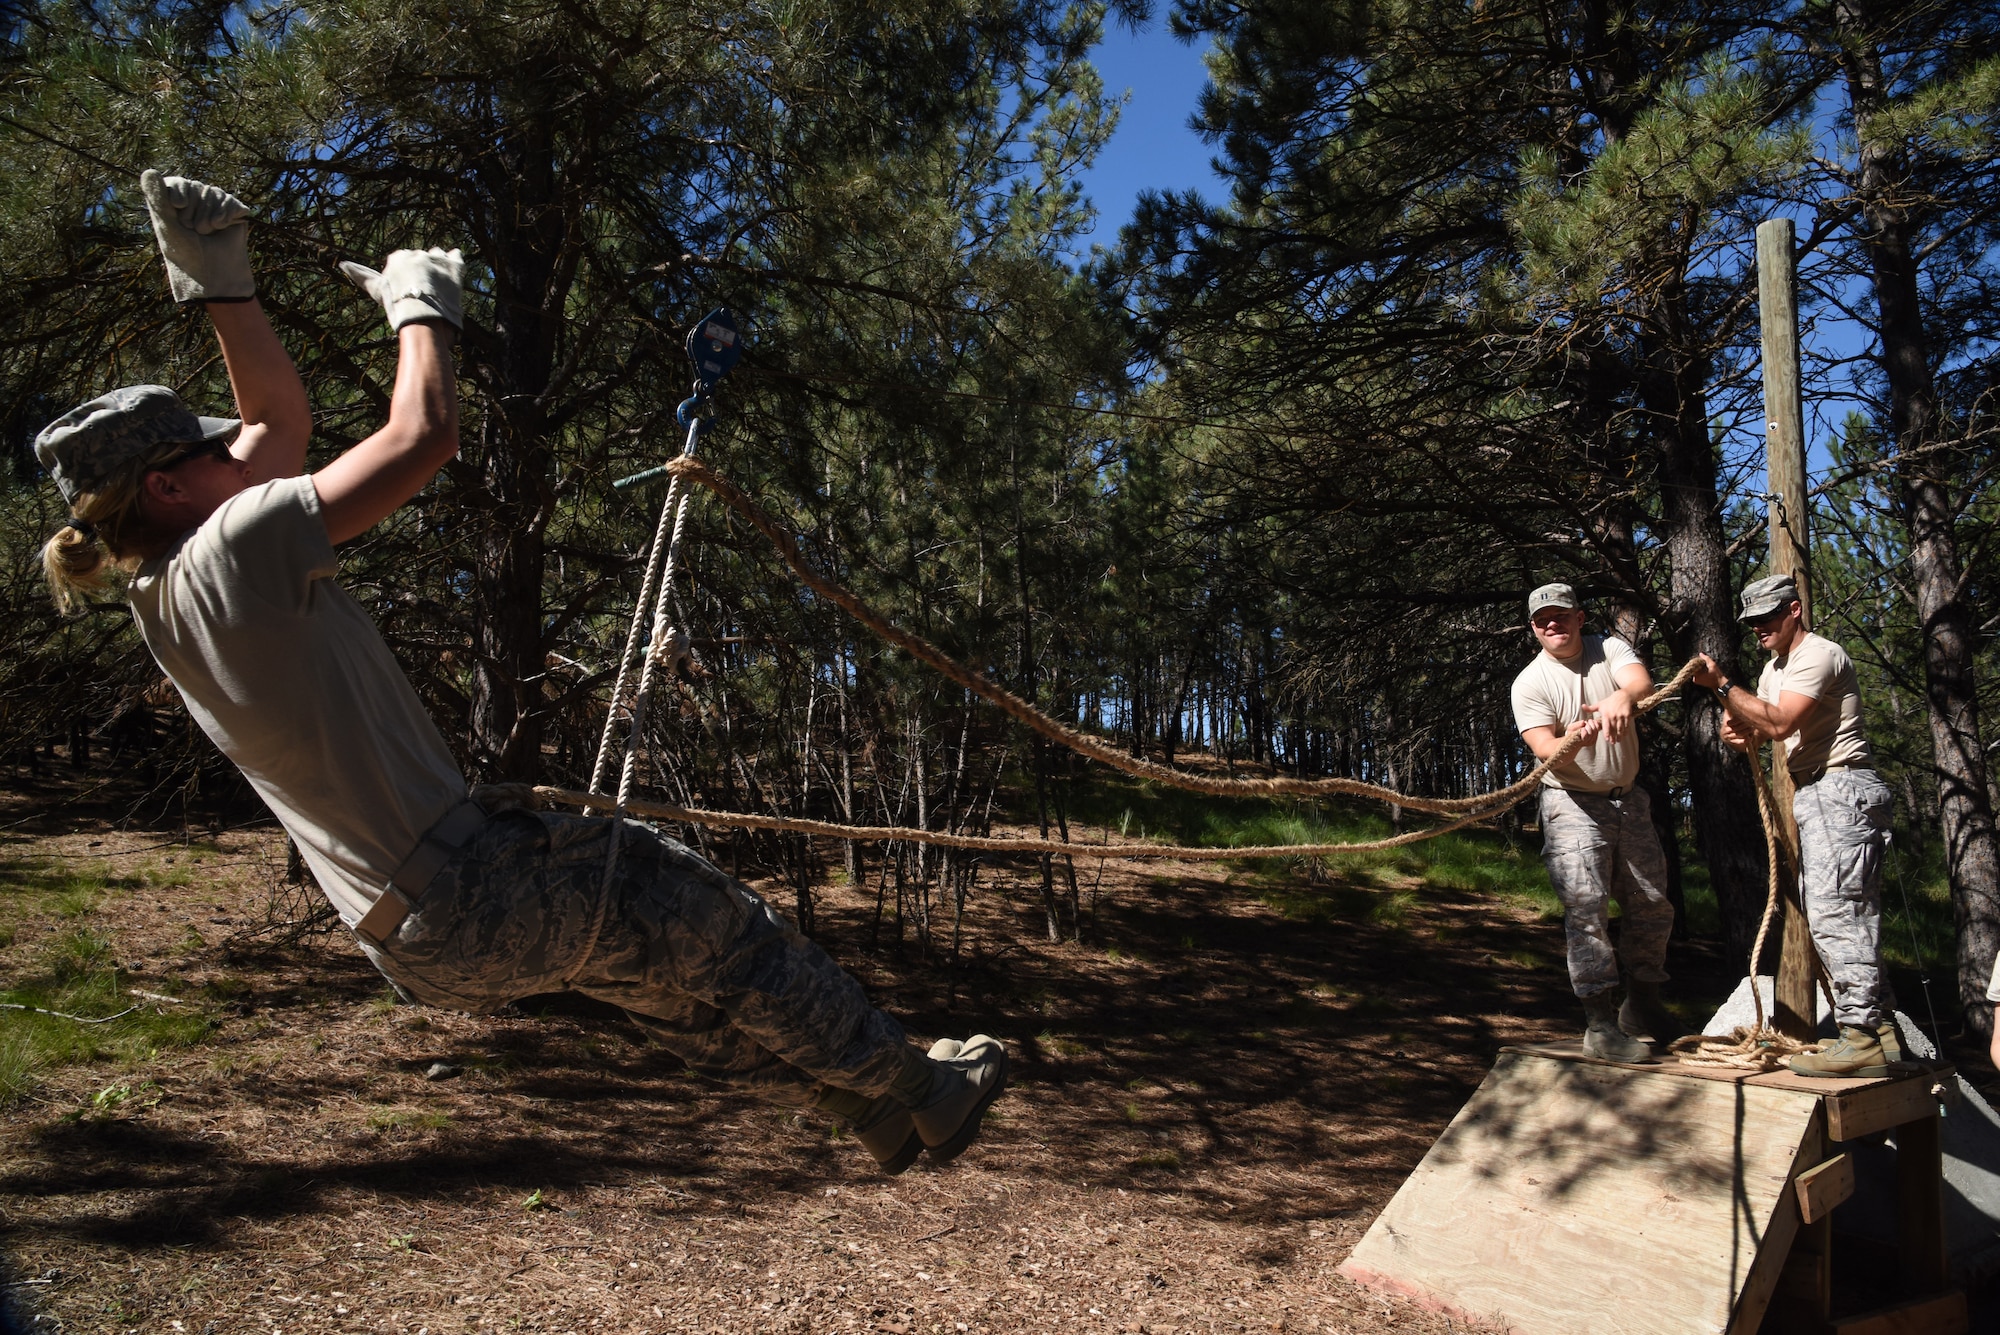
{"points": [[1723, 688]]}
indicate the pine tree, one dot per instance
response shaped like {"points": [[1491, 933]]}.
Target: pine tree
{"points": [[1921, 90], [1477, 277], [880, 194]]}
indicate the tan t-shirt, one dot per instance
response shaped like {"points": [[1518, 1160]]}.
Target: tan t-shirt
{"points": [[1830, 733], [289, 677], [1551, 693]]}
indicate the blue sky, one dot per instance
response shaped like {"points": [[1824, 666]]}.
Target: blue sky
{"points": [[1153, 149]]}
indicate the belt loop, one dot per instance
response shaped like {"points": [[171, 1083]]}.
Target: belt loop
{"points": [[384, 916], [406, 885]]}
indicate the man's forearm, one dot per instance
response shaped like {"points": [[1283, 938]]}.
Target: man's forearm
{"points": [[1750, 712]]}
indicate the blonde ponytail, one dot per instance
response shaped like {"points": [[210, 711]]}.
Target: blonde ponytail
{"points": [[75, 563], [109, 534]]}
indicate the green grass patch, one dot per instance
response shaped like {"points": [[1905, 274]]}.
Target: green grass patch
{"points": [[1481, 862], [75, 975], [1919, 930], [58, 882]]}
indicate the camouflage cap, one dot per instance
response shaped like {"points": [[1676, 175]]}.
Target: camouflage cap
{"points": [[1770, 594], [1552, 595], [86, 445]]}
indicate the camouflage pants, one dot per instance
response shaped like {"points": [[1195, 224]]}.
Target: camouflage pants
{"points": [[1843, 819], [1600, 850], [689, 953]]}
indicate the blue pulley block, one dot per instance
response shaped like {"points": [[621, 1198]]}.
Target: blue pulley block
{"points": [[713, 346]]}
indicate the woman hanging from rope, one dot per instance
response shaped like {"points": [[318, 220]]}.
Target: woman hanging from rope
{"points": [[229, 548]]}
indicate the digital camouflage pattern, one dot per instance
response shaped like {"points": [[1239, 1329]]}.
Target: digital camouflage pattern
{"points": [[88, 443], [1843, 823], [1600, 849], [691, 954]]}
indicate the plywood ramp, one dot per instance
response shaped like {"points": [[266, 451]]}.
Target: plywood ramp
{"points": [[1581, 1198]]}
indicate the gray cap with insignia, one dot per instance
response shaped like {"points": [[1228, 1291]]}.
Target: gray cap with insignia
{"points": [[1770, 594], [86, 445], [1552, 595]]}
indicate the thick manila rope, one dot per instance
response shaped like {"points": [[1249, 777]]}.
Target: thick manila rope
{"points": [[1093, 748], [659, 589], [1467, 810], [569, 797], [652, 587], [1758, 1047]]}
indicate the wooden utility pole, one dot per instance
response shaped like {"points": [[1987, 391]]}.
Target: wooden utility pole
{"points": [[1785, 467]]}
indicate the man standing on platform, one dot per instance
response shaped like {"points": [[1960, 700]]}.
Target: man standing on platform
{"points": [[1809, 702], [1598, 840]]}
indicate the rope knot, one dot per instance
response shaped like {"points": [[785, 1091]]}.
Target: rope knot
{"points": [[673, 651]]}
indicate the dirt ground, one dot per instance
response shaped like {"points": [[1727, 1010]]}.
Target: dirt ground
{"points": [[1212, 1100]]}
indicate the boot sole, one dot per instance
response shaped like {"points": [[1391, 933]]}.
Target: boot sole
{"points": [[1645, 1058], [968, 1130], [902, 1159], [1860, 1073], [905, 1156]]}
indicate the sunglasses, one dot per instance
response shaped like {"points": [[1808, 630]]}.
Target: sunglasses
{"points": [[201, 449]]}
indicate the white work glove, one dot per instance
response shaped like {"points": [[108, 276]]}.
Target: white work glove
{"points": [[415, 285], [203, 237]]}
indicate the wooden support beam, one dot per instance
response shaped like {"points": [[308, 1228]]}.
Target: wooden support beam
{"points": [[1795, 1015], [1824, 1186], [1774, 1250], [1784, 406], [1804, 1299], [1872, 1108]]}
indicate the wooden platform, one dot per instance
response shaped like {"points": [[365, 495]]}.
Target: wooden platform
{"points": [[1572, 1196]]}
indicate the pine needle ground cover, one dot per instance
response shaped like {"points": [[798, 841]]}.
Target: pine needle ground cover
{"points": [[1217, 1090]]}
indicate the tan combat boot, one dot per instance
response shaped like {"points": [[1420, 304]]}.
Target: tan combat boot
{"points": [[886, 1129], [1857, 1053], [1603, 1039], [965, 1086], [1644, 1014]]}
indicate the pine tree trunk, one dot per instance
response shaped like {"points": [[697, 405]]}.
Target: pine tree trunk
{"points": [[1700, 620], [516, 463], [1965, 807]]}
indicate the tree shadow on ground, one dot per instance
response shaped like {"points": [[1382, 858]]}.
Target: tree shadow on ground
{"points": [[1289, 1063]]}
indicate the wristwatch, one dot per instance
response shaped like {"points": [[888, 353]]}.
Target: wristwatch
{"points": [[1723, 688]]}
